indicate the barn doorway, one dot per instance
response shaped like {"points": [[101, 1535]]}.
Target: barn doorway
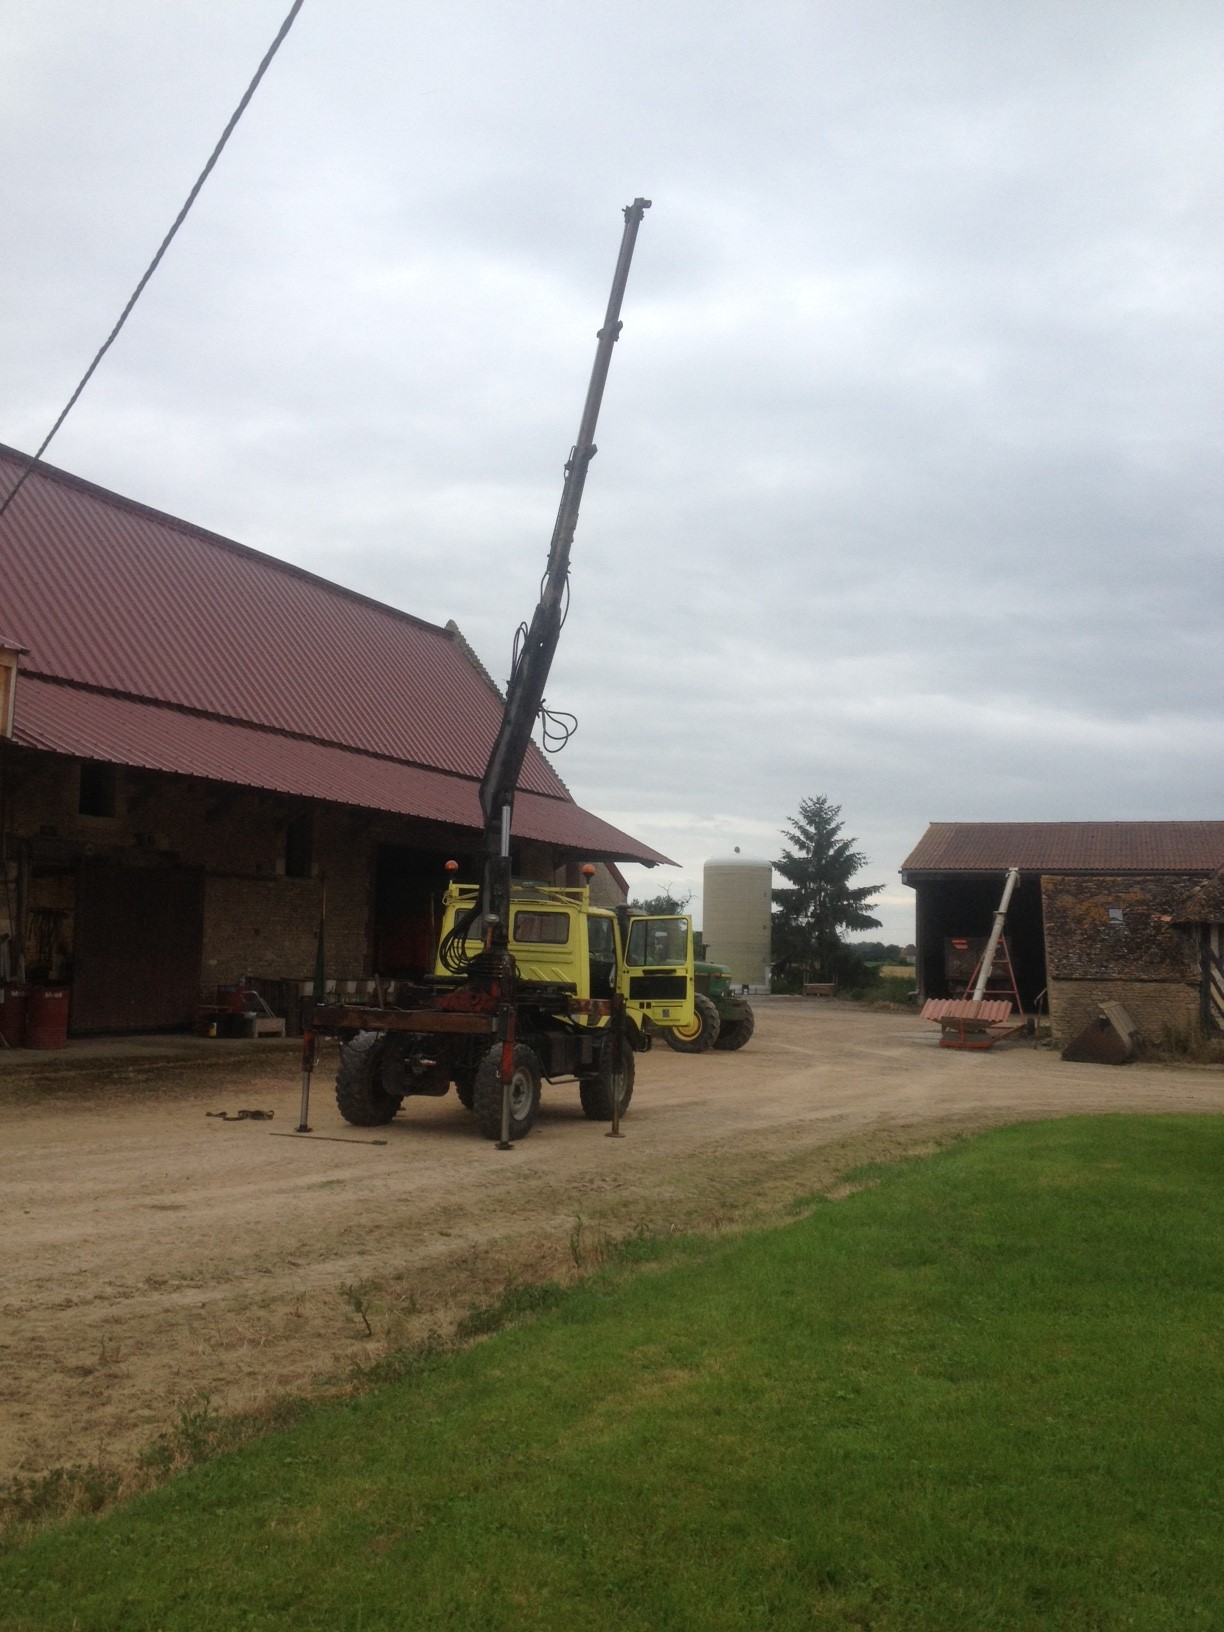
{"points": [[138, 947], [408, 889], [954, 916]]}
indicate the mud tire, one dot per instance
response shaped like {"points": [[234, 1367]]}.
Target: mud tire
{"points": [[596, 1091], [524, 1092], [705, 1037], [465, 1086], [360, 1096], [735, 1033]]}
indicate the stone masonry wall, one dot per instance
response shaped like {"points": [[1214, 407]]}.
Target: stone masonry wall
{"points": [[1110, 938], [1156, 1006]]}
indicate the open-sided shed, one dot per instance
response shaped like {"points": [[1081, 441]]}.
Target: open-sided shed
{"points": [[1104, 911]]}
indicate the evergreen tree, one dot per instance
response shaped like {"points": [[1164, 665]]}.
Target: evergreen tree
{"points": [[810, 915]]}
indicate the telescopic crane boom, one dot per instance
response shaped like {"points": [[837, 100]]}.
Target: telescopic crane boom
{"points": [[533, 660]]}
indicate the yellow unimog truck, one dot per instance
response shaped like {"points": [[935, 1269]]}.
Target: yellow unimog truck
{"points": [[592, 987], [532, 982]]}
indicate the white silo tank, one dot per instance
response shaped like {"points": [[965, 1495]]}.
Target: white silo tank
{"points": [[736, 917]]}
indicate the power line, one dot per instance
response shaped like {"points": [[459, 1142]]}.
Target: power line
{"points": [[165, 245]]}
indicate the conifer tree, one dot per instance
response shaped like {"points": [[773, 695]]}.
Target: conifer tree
{"points": [[820, 903]]}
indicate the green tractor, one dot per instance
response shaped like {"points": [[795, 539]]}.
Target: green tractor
{"points": [[721, 1018]]}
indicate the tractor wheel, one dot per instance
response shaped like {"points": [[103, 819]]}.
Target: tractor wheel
{"points": [[465, 1085], [702, 1035], [735, 1033], [524, 1092], [597, 1091], [360, 1095]]}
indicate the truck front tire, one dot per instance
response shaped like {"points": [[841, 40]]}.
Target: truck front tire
{"points": [[596, 1092], [524, 1092]]}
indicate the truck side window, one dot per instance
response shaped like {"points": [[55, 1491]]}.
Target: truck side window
{"points": [[542, 928], [654, 941], [601, 945]]}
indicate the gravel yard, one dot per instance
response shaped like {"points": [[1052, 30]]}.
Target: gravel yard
{"points": [[155, 1254]]}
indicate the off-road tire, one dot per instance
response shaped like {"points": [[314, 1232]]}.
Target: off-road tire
{"points": [[464, 1079], [596, 1091], [360, 1096], [524, 1092], [735, 1033], [706, 1024]]}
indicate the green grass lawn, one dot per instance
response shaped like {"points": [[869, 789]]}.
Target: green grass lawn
{"points": [[983, 1393]]}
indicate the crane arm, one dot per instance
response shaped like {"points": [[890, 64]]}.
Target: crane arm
{"points": [[525, 692]]}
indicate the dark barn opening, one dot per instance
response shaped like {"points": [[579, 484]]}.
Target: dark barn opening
{"points": [[959, 907]]}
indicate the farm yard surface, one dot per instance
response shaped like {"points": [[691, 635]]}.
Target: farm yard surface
{"points": [[157, 1255]]}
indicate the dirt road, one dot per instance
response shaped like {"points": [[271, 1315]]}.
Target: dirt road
{"points": [[153, 1252]]}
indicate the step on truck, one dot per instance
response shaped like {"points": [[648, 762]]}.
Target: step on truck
{"points": [[532, 983]]}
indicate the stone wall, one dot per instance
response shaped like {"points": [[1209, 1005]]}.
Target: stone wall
{"points": [[1112, 939], [1158, 1007], [257, 920]]}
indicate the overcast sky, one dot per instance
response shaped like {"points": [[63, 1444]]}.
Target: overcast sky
{"points": [[910, 484]]}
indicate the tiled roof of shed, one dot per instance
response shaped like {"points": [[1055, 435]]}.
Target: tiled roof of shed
{"points": [[1068, 847], [152, 642]]}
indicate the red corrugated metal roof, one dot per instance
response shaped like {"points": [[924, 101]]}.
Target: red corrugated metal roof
{"points": [[112, 594], [65, 719], [1068, 847], [157, 644]]}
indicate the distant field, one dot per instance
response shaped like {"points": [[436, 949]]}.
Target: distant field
{"points": [[899, 971], [981, 1391]]}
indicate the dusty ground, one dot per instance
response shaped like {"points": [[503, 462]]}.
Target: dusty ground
{"points": [[152, 1252]]}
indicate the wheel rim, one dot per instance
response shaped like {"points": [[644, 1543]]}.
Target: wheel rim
{"points": [[689, 1034], [521, 1087]]}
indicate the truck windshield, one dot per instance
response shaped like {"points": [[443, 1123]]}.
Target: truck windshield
{"points": [[655, 941]]}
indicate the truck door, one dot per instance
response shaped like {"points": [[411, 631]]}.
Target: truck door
{"points": [[657, 978]]}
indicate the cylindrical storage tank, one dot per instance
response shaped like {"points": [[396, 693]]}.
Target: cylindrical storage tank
{"points": [[47, 1017], [736, 917], [13, 1014]]}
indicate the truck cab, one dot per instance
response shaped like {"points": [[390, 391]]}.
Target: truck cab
{"points": [[581, 956]]}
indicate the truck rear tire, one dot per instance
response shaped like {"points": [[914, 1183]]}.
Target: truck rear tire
{"points": [[596, 1092], [524, 1092], [702, 1035], [360, 1095], [735, 1033]]}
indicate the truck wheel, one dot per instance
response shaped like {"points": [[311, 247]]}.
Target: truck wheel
{"points": [[702, 1035], [596, 1092], [735, 1033], [360, 1095], [524, 1092], [465, 1085]]}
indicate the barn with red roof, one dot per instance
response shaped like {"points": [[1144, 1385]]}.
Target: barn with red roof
{"points": [[202, 746]]}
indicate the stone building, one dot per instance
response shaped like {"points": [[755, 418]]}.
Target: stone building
{"points": [[1123, 911], [204, 749]]}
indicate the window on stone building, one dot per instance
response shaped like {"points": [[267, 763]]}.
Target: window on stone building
{"points": [[1115, 915], [299, 845], [99, 789]]}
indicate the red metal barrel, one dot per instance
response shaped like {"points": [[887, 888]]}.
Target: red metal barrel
{"points": [[13, 1013], [47, 1017]]}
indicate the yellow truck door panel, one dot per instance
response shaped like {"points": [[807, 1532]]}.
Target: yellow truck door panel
{"points": [[657, 978]]}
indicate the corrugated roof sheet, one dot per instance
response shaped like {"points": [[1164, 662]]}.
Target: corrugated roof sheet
{"points": [[94, 725], [109, 593], [153, 643], [1068, 847]]}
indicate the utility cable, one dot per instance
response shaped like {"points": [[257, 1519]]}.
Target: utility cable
{"points": [[165, 245]]}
